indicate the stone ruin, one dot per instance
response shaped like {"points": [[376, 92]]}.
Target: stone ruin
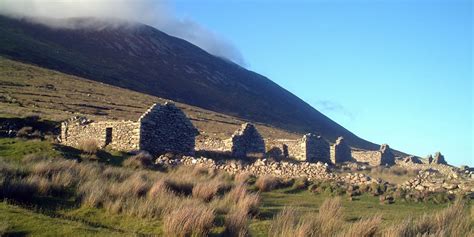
{"points": [[340, 151], [438, 159], [246, 141], [162, 128], [384, 156], [310, 148], [412, 160]]}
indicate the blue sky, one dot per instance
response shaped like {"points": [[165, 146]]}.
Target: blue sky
{"points": [[396, 72]]}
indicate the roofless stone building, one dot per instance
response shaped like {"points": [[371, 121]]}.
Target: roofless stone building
{"points": [[162, 128]]}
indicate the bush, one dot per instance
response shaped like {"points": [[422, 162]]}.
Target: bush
{"points": [[206, 190], [189, 221], [267, 183], [236, 223], [89, 146], [142, 160], [365, 227], [24, 132]]}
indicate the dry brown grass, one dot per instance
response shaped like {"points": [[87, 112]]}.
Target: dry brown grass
{"points": [[452, 221], [236, 223], [142, 160], [207, 190], [266, 183], [89, 146], [189, 221], [363, 228], [289, 223], [242, 178]]}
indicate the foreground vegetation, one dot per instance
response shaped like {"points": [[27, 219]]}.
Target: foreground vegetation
{"points": [[44, 193]]}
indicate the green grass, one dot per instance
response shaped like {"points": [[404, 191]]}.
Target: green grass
{"points": [[364, 206], [50, 216], [22, 221], [15, 149]]}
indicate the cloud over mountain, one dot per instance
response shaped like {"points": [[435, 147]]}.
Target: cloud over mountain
{"points": [[158, 14]]}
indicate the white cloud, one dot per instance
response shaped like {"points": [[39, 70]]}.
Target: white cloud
{"points": [[158, 14]]}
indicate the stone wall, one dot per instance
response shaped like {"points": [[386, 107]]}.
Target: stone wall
{"points": [[119, 135], [165, 128], [384, 156], [246, 141], [212, 144], [340, 151], [310, 148], [162, 128]]}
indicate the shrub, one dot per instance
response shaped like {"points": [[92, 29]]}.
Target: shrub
{"points": [[142, 160], [180, 187], [236, 223], [266, 183], [289, 223], [300, 184], [206, 190], [189, 221], [243, 178], [365, 227], [330, 216], [4, 228], [89, 146], [158, 188], [24, 132]]}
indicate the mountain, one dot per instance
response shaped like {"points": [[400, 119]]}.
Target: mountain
{"points": [[144, 59]]}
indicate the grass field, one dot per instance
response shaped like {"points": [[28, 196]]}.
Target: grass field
{"points": [[65, 216]]}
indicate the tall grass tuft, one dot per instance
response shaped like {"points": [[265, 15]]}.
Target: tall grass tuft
{"points": [[267, 183], [186, 220]]}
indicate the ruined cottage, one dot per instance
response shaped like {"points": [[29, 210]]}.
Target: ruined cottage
{"points": [[384, 156], [340, 151], [438, 159], [162, 128], [246, 141], [310, 148]]}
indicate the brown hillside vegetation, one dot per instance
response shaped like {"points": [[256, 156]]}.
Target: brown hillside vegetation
{"points": [[30, 90]]}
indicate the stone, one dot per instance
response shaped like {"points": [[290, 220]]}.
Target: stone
{"points": [[438, 159], [161, 129], [341, 152], [387, 157], [412, 160], [247, 141]]}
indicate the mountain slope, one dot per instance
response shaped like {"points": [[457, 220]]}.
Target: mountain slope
{"points": [[144, 59]]}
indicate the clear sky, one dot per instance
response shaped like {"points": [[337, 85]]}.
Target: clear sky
{"points": [[396, 72]]}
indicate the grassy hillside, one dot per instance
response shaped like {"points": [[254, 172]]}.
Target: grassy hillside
{"points": [[30, 90], [147, 60]]}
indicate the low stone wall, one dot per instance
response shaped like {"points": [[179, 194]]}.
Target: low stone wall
{"points": [[311, 148], [212, 144], [119, 135], [369, 157], [384, 156]]}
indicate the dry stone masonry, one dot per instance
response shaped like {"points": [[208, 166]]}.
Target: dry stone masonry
{"points": [[340, 151], [310, 148], [246, 141], [162, 128], [384, 156], [165, 128], [438, 159]]}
